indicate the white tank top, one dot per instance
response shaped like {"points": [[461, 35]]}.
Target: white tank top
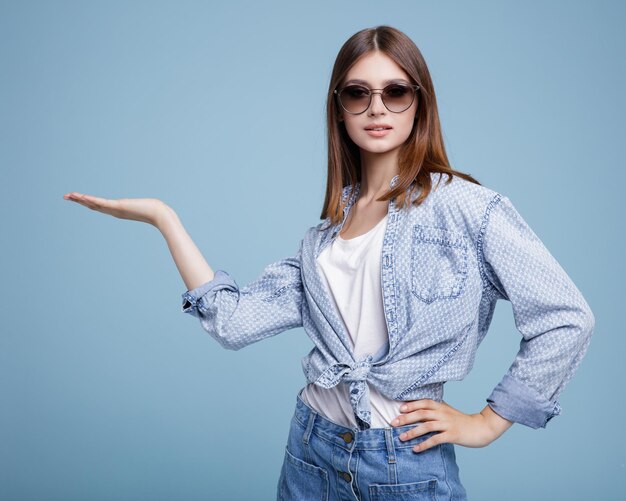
{"points": [[351, 269]]}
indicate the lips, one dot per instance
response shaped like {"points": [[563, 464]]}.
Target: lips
{"points": [[378, 127]]}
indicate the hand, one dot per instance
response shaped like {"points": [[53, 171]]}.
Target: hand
{"points": [[469, 430], [146, 210]]}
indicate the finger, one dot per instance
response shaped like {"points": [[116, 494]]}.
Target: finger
{"points": [[420, 430], [76, 197], [95, 203], [81, 196], [71, 196], [437, 439], [85, 200], [93, 199], [422, 403], [415, 417]]}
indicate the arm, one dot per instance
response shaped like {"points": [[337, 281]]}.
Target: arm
{"points": [[551, 314], [556, 325], [496, 423], [234, 316], [191, 265]]}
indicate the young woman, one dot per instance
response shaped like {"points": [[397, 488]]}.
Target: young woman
{"points": [[396, 287]]}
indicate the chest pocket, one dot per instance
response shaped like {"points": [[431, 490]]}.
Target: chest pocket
{"points": [[438, 263]]}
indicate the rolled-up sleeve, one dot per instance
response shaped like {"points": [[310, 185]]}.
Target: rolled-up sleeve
{"points": [[238, 316], [555, 321]]}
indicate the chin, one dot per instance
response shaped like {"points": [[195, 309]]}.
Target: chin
{"points": [[380, 150]]}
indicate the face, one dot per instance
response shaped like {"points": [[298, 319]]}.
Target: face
{"points": [[376, 70]]}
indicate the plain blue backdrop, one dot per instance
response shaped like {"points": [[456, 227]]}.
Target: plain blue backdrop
{"points": [[108, 391]]}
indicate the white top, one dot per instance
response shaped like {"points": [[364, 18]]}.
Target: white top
{"points": [[351, 269]]}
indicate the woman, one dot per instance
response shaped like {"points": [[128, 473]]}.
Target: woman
{"points": [[396, 287]]}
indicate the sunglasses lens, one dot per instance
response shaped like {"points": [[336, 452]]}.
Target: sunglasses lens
{"points": [[398, 97], [354, 98]]}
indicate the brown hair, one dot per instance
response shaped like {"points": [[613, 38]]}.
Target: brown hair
{"points": [[421, 154]]}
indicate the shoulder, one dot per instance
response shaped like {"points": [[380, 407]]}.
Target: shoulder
{"points": [[458, 205], [461, 195], [312, 232], [458, 188]]}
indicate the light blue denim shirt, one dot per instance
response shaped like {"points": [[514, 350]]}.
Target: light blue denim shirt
{"points": [[444, 265]]}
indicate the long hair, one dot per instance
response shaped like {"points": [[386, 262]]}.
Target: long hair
{"points": [[421, 154]]}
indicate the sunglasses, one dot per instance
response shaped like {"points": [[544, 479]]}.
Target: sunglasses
{"points": [[356, 99]]}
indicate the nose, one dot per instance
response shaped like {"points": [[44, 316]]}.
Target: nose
{"points": [[377, 106]]}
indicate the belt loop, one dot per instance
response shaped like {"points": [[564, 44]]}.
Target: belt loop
{"points": [[392, 468], [309, 427], [391, 452]]}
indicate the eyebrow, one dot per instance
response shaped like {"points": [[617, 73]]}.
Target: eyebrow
{"points": [[385, 83]]}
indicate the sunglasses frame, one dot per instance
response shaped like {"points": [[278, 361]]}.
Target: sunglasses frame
{"points": [[337, 93]]}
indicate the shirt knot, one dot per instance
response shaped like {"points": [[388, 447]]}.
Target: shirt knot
{"points": [[359, 371], [355, 374]]}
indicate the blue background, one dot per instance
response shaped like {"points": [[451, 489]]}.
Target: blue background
{"points": [[108, 391]]}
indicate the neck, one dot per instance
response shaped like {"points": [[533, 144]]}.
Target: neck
{"points": [[377, 171]]}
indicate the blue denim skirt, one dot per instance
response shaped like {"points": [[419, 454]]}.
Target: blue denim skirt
{"points": [[327, 461]]}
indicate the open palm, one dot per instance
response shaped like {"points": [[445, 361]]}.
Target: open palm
{"points": [[136, 209]]}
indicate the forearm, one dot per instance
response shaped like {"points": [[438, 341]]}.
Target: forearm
{"points": [[191, 264], [496, 423]]}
